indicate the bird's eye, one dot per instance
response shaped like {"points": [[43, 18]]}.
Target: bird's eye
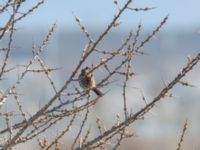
{"points": [[82, 71]]}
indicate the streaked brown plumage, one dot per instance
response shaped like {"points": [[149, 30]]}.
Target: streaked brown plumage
{"points": [[87, 80]]}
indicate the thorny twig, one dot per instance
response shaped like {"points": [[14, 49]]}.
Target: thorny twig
{"points": [[182, 136], [75, 101]]}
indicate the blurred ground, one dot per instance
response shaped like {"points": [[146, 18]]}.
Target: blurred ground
{"points": [[166, 54]]}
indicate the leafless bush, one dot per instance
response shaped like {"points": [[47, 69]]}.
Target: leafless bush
{"points": [[70, 103]]}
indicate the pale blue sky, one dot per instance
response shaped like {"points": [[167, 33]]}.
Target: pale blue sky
{"points": [[184, 14]]}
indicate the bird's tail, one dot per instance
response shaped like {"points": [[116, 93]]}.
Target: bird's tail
{"points": [[98, 92]]}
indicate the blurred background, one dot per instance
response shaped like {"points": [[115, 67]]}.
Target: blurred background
{"points": [[167, 53]]}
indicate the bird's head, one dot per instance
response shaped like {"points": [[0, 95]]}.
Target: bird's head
{"points": [[86, 71]]}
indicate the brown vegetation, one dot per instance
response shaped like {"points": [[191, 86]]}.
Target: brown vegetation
{"points": [[69, 104]]}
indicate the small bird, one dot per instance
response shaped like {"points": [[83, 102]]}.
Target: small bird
{"points": [[87, 80]]}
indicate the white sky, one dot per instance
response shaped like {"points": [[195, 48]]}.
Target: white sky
{"points": [[184, 14]]}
